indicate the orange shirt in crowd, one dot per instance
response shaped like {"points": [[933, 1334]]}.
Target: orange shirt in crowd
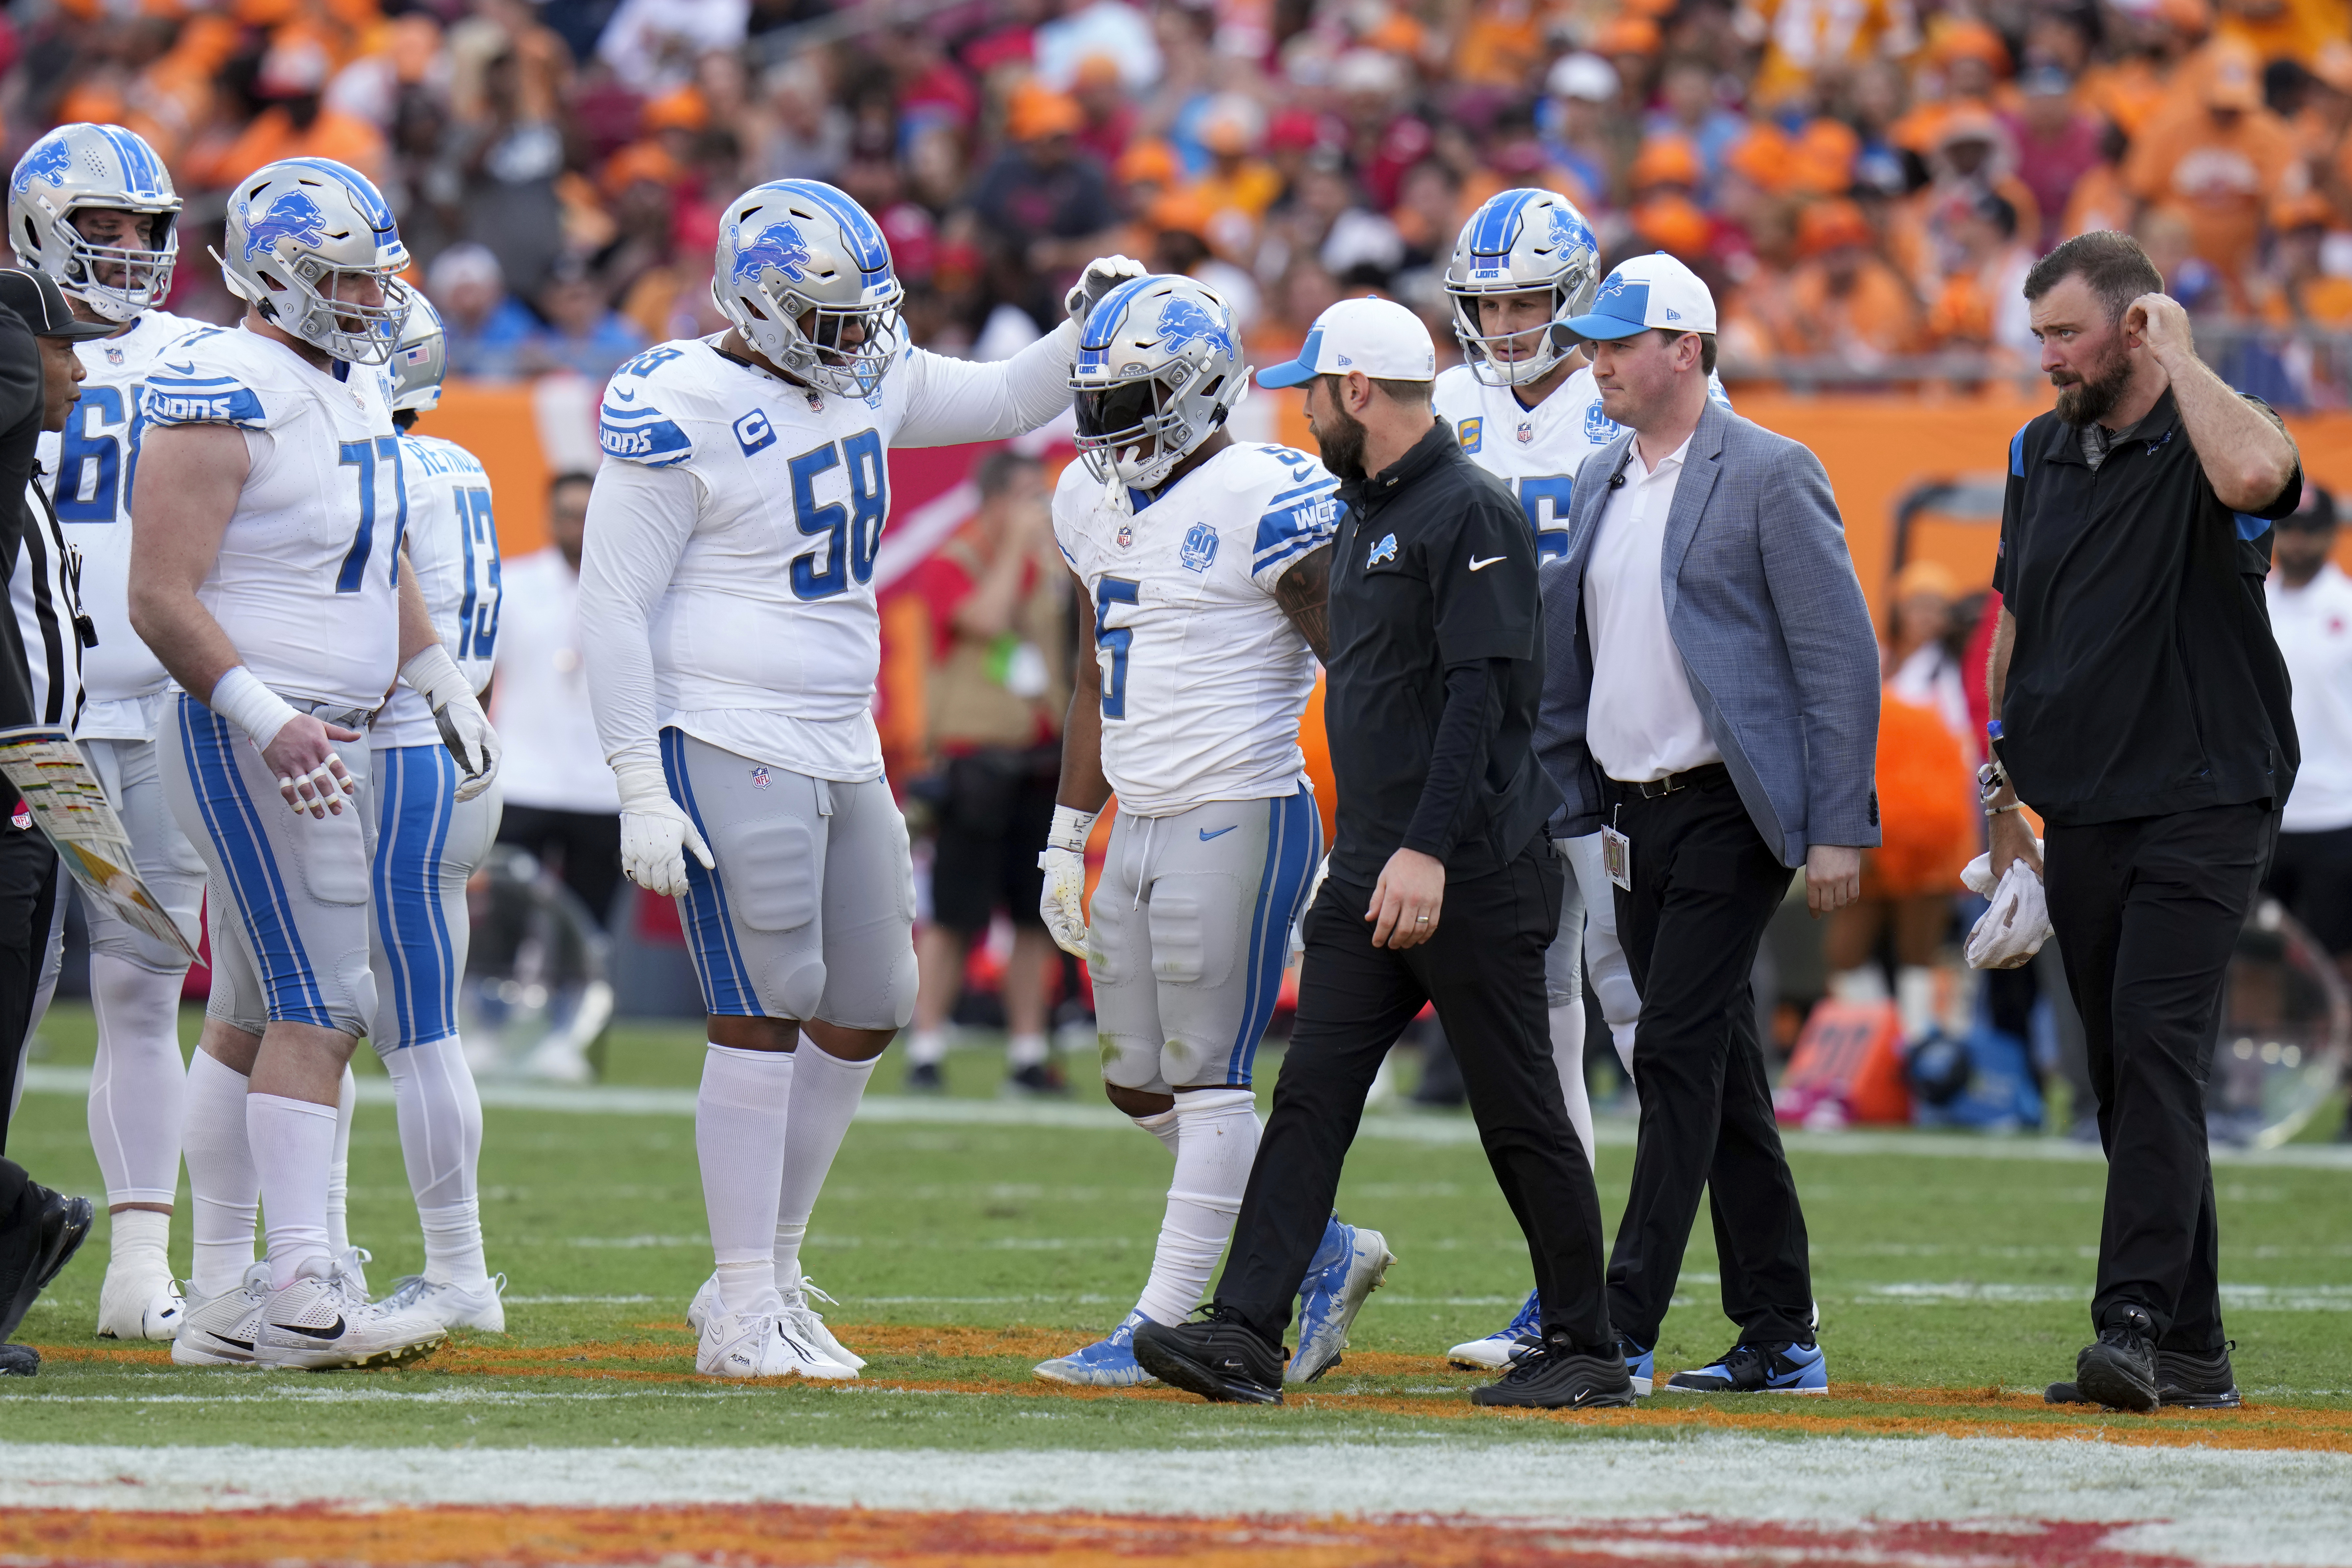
{"points": [[2281, 28], [2100, 201], [1802, 36], [2220, 178], [1876, 313], [272, 136], [2324, 302]]}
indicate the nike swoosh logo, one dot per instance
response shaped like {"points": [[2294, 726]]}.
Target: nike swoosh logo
{"points": [[1477, 564], [335, 1331], [240, 1343], [1206, 835]]}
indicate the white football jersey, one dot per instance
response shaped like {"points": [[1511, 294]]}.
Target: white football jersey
{"points": [[1204, 677], [453, 547], [92, 464], [765, 640], [1536, 450], [307, 582]]}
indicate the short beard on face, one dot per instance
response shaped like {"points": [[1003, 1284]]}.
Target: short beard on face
{"points": [[2093, 397], [1340, 437]]}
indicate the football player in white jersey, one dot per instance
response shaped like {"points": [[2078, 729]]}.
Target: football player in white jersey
{"points": [[267, 574], [427, 843], [93, 208], [729, 571], [1525, 407], [1207, 564]]}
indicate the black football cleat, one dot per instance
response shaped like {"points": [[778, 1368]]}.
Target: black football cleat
{"points": [[19, 1361], [1219, 1357], [2119, 1370], [2065, 1394], [1556, 1375], [2196, 1381], [50, 1231]]}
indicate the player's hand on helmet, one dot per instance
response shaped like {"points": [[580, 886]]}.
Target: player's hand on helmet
{"points": [[1102, 275], [309, 774], [655, 831], [1062, 902], [458, 715]]}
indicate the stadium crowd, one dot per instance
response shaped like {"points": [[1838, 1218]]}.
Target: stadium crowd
{"points": [[1864, 182]]}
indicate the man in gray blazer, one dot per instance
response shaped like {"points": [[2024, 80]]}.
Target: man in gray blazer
{"points": [[1712, 704]]}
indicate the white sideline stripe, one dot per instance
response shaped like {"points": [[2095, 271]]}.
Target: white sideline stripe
{"points": [[2211, 1506], [609, 1100]]}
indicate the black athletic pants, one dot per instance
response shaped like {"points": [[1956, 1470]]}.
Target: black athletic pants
{"points": [[586, 847], [1705, 886], [2147, 914], [1484, 970], [28, 903]]}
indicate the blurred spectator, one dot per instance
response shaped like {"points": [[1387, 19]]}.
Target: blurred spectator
{"points": [[1846, 302], [2311, 615], [2218, 162], [998, 596], [652, 44], [1690, 108], [1110, 116], [1801, 37], [561, 803], [486, 325], [2057, 143], [1982, 302], [296, 124], [579, 333], [1583, 90], [2301, 292], [1043, 199]]}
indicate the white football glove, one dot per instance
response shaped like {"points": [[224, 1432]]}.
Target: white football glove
{"points": [[1062, 901], [458, 714], [655, 831], [2012, 931], [1102, 275]]}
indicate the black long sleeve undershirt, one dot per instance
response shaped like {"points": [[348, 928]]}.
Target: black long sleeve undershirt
{"points": [[1466, 731]]}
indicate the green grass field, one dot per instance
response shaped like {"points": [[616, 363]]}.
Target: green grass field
{"points": [[1939, 1266]]}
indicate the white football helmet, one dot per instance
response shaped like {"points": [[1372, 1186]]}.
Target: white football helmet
{"points": [[1159, 369], [80, 166], [793, 246], [296, 228], [420, 360], [1516, 243]]}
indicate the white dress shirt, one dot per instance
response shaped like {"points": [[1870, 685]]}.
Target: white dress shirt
{"points": [[2314, 627], [539, 703], [1643, 723]]}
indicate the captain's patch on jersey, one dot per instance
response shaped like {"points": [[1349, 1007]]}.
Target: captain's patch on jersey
{"points": [[753, 431], [1199, 550], [1471, 432]]}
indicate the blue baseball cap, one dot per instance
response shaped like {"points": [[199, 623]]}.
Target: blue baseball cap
{"points": [[1378, 337], [1649, 291]]}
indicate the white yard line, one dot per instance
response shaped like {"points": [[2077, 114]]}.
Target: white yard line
{"points": [[2210, 1506], [609, 1100]]}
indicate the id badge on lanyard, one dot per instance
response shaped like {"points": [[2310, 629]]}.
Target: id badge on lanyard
{"points": [[1617, 858]]}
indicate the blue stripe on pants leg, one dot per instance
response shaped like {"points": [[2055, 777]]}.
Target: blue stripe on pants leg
{"points": [[1294, 843], [417, 798], [264, 909], [710, 931]]}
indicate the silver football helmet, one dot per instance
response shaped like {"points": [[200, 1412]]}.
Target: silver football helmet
{"points": [[791, 247], [1516, 243], [1159, 369], [301, 230], [77, 167], [420, 360]]}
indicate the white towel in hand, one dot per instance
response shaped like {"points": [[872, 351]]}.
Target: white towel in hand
{"points": [[2012, 931]]}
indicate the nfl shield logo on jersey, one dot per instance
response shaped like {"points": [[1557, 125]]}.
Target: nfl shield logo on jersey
{"points": [[1599, 428], [1126, 536], [1526, 431], [760, 779], [1199, 547], [113, 355], [1384, 551]]}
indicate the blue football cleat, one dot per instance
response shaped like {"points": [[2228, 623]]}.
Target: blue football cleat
{"points": [[1347, 1267], [1757, 1369], [1498, 1349], [1640, 1364], [1105, 1363]]}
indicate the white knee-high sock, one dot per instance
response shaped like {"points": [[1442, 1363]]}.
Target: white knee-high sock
{"points": [[1567, 1058], [441, 1141], [293, 1144], [1216, 1141], [140, 1240], [223, 1187], [1915, 1000], [339, 1166], [1162, 1126], [739, 1132], [825, 1091], [138, 1087]]}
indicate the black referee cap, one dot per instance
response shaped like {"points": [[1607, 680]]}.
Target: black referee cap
{"points": [[36, 296]]}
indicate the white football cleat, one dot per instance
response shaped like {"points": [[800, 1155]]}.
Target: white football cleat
{"points": [[220, 1330], [452, 1306], [757, 1345], [351, 1267], [705, 1306], [139, 1304], [805, 1322], [316, 1323]]}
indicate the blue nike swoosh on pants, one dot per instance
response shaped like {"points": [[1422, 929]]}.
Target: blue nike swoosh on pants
{"points": [[1206, 835]]}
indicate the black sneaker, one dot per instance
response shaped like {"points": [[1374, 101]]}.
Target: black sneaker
{"points": [[2196, 1381], [1556, 1375], [923, 1078], [35, 1252], [1218, 1357], [19, 1361], [1038, 1080], [2065, 1394], [2119, 1371]]}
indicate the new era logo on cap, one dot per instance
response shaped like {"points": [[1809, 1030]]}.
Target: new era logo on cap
{"points": [[1645, 292], [1379, 337]]}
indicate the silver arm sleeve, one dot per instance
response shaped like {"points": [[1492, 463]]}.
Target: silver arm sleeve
{"points": [[639, 519], [955, 401]]}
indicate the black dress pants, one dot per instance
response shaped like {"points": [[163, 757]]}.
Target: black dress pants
{"points": [[1484, 970], [585, 845], [2147, 914], [28, 905], [1705, 886]]}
